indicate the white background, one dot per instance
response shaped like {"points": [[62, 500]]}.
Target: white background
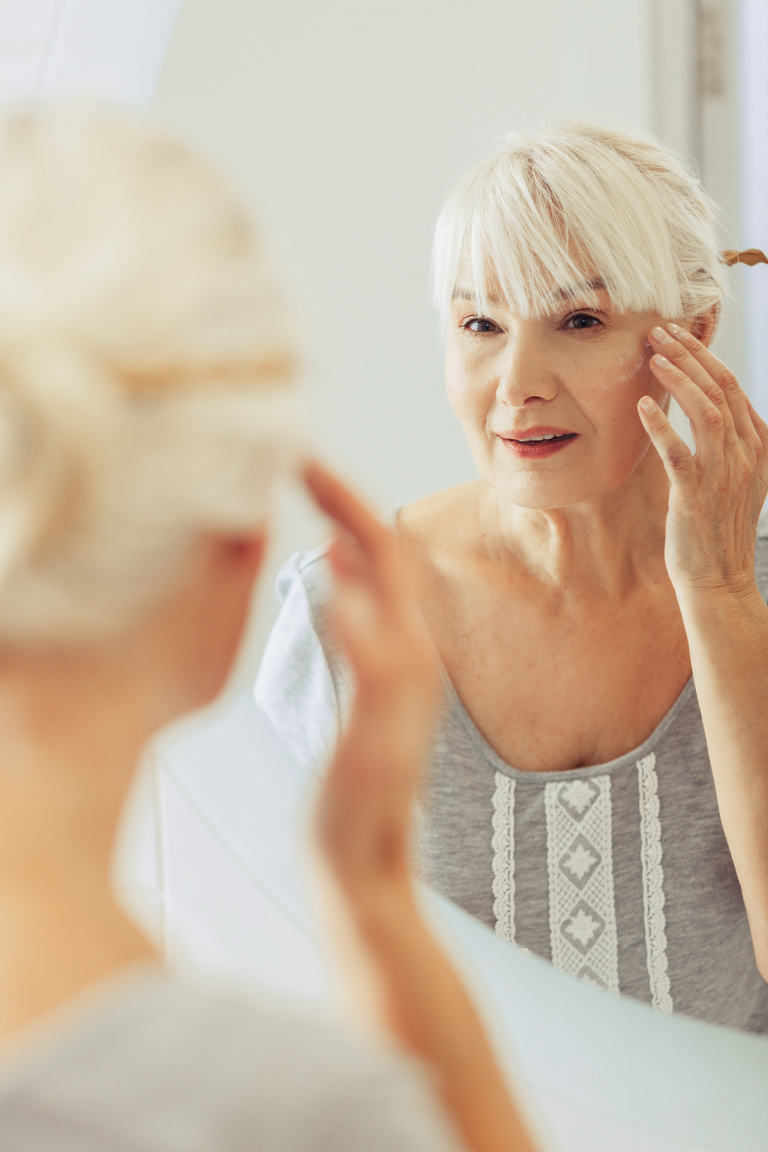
{"points": [[345, 124]]}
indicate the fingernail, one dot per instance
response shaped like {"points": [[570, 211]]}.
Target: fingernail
{"points": [[646, 404], [660, 336], [677, 331], [660, 361]]}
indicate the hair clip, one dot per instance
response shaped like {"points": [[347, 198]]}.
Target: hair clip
{"points": [[748, 256]]}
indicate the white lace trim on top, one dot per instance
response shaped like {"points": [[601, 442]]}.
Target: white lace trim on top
{"points": [[503, 844], [582, 913], [653, 884]]}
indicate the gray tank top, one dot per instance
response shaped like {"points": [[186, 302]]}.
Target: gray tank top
{"points": [[619, 874]]}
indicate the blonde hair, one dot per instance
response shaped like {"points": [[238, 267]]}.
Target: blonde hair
{"points": [[146, 369], [552, 211]]}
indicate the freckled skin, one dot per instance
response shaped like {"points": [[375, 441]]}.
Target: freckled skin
{"points": [[581, 369]]}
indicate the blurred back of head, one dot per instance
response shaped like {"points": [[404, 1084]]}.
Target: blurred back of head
{"points": [[145, 370]]}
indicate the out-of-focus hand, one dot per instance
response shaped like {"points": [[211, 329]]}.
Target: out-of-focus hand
{"points": [[717, 493], [395, 974], [364, 809]]}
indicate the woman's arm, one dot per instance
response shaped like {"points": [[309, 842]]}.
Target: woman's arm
{"points": [[402, 978], [716, 496]]}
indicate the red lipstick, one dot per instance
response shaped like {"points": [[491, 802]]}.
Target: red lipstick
{"points": [[536, 442]]}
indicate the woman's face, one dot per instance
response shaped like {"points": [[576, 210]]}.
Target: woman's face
{"points": [[549, 406]]}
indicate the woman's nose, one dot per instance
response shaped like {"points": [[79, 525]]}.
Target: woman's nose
{"points": [[524, 375]]}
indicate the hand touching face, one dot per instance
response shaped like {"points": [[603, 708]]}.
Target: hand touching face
{"points": [[717, 493]]}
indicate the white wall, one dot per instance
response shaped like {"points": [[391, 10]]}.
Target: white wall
{"points": [[110, 49], [753, 74], [345, 123]]}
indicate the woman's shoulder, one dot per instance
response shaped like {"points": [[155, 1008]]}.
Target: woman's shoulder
{"points": [[157, 1053], [438, 518]]}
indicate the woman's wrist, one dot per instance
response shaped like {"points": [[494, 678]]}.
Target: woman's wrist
{"points": [[730, 614], [383, 913], [735, 592]]}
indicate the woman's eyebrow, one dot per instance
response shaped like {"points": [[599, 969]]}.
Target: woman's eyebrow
{"points": [[596, 285], [580, 289], [468, 294]]}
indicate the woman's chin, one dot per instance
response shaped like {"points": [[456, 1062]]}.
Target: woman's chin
{"points": [[543, 493], [539, 492]]}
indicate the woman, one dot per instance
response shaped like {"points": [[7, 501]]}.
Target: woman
{"points": [[598, 789], [146, 407]]}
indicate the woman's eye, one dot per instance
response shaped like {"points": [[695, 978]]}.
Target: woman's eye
{"points": [[480, 325], [581, 320]]}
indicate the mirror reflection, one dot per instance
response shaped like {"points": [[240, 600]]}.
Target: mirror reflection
{"points": [[588, 799]]}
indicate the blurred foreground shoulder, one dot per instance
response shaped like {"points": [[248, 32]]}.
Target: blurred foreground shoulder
{"points": [[157, 1065]]}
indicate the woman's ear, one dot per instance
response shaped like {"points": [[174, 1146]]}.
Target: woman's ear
{"points": [[244, 551], [705, 326]]}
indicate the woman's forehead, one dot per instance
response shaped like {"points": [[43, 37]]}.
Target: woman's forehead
{"points": [[492, 292]]}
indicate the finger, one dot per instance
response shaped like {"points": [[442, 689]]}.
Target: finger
{"points": [[684, 359], [705, 417], [674, 452], [360, 628], [352, 514], [347, 558], [734, 394]]}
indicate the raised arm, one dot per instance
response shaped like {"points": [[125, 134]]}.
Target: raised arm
{"points": [[715, 500], [403, 980]]}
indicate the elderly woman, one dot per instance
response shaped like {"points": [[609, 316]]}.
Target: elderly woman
{"points": [[599, 784], [146, 407]]}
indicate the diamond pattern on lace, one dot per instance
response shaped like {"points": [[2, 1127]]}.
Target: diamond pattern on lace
{"points": [[583, 928], [582, 915], [577, 797], [580, 861]]}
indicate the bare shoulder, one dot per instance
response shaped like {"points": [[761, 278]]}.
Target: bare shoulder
{"points": [[439, 524]]}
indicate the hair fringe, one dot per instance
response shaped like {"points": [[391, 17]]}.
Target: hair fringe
{"points": [[547, 211]]}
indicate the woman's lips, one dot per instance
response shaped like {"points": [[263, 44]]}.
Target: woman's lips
{"points": [[537, 442]]}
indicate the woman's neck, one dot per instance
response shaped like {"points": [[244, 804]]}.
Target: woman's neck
{"points": [[67, 758], [606, 546]]}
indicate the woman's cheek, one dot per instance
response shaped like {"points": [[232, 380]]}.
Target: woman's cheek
{"points": [[467, 395]]}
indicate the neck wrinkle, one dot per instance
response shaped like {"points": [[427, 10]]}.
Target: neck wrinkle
{"points": [[604, 547]]}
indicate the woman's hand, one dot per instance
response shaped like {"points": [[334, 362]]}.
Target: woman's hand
{"points": [[364, 812], [393, 968], [716, 494], [714, 503]]}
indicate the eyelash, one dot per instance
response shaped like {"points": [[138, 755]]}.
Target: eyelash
{"points": [[478, 320], [583, 316], [597, 323]]}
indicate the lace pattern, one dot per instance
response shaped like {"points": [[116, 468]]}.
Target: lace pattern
{"points": [[653, 884], [582, 913], [503, 845]]}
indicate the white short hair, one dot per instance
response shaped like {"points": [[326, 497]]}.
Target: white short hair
{"points": [[554, 210], [146, 369]]}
